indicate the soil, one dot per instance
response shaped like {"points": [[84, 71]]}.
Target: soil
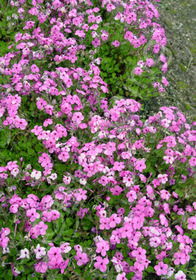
{"points": [[178, 18]]}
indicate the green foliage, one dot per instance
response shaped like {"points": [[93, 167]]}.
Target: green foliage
{"points": [[117, 70], [10, 24]]}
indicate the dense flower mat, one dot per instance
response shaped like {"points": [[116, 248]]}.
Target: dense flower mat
{"points": [[94, 190]]}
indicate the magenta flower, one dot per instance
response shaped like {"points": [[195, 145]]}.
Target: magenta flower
{"points": [[139, 254], [14, 208], [121, 276], [155, 242], [180, 275], [104, 223], [96, 42], [116, 190], [114, 220], [41, 267], [140, 165], [34, 68], [32, 214], [192, 161], [102, 247], [39, 252], [80, 195], [116, 43], [81, 258], [161, 268], [191, 223], [42, 228], [138, 71], [54, 252], [15, 271], [149, 62], [64, 265], [131, 195], [180, 258], [65, 247], [101, 263]]}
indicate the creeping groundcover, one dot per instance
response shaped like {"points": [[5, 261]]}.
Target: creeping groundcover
{"points": [[92, 184]]}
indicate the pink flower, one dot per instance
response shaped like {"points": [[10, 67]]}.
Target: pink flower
{"points": [[116, 43], [64, 265], [81, 258], [163, 178], [131, 195], [47, 122], [139, 254], [149, 62], [164, 67], [77, 117], [192, 161], [55, 215], [24, 254], [180, 275], [102, 247], [180, 258], [116, 190], [110, 7], [40, 104], [164, 81], [156, 48], [104, 35], [191, 223], [14, 208], [96, 42], [140, 165], [64, 156], [161, 269], [163, 220], [78, 248], [34, 68], [81, 213], [67, 180], [163, 58], [104, 223], [114, 219], [15, 271], [121, 276], [165, 194], [80, 33], [131, 17], [42, 228], [138, 71], [39, 252], [155, 242], [118, 166], [101, 263], [65, 247], [81, 195], [41, 267], [32, 214], [53, 252]]}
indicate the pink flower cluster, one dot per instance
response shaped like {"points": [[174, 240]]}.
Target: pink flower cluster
{"points": [[116, 195]]}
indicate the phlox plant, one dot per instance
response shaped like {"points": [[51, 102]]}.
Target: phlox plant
{"points": [[133, 62], [9, 25], [100, 193]]}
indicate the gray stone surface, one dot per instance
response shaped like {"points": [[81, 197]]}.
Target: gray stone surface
{"points": [[179, 21]]}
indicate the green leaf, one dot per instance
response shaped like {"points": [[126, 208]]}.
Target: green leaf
{"points": [[29, 277], [68, 232], [49, 235], [69, 221], [150, 269]]}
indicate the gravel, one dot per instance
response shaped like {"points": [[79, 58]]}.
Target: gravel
{"points": [[178, 18]]}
